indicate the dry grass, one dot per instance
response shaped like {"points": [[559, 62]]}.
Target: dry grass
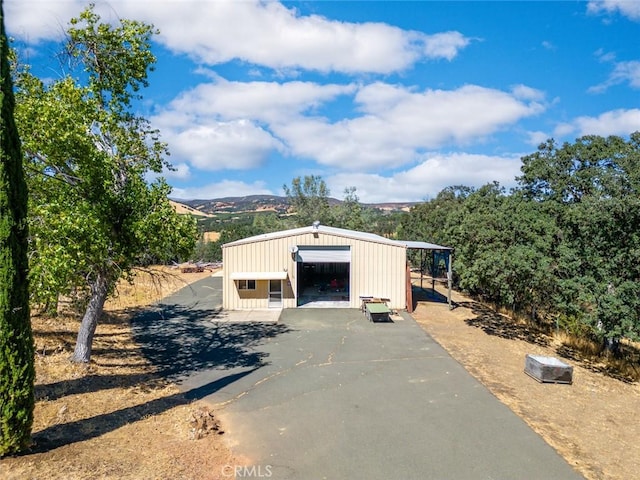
{"points": [[591, 423], [211, 236], [589, 353], [114, 418]]}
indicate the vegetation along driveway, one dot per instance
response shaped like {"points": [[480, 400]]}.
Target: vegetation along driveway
{"points": [[327, 394]]}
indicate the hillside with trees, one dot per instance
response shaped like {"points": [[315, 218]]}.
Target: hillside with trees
{"points": [[308, 199]]}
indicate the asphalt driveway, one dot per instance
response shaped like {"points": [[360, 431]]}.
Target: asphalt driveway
{"points": [[327, 394]]}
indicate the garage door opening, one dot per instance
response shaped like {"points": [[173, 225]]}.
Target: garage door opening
{"points": [[323, 276]]}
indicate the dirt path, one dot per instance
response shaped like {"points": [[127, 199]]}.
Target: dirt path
{"points": [[592, 423]]}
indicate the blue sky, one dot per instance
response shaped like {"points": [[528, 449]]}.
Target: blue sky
{"points": [[398, 99]]}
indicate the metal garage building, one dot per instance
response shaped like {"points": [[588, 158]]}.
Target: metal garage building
{"points": [[315, 266]]}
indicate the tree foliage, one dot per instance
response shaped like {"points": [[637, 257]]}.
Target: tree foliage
{"points": [[564, 245], [309, 198], [94, 214], [17, 372]]}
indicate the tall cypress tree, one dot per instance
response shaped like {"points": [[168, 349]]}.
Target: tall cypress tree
{"points": [[17, 371]]}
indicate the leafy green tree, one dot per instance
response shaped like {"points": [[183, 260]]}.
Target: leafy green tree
{"points": [[591, 189], [436, 221], [309, 198], [501, 241], [94, 215], [350, 214], [237, 232], [270, 222], [385, 224], [17, 372]]}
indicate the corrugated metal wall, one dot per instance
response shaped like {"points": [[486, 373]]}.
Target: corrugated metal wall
{"points": [[377, 269]]}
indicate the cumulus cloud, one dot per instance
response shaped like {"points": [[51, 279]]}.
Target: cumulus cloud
{"points": [[259, 32], [227, 125], [627, 8], [444, 45], [615, 122], [234, 145], [397, 123], [261, 101], [33, 21], [427, 179], [224, 188], [524, 92], [234, 125], [273, 35]]}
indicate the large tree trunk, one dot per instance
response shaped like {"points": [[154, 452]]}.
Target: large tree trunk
{"points": [[99, 291]]}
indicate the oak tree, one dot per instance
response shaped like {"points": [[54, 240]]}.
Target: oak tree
{"points": [[95, 216]]}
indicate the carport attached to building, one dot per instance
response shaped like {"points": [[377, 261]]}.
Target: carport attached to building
{"points": [[296, 267]]}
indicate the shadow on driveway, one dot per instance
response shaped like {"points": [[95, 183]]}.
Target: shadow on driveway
{"points": [[180, 340], [181, 337]]}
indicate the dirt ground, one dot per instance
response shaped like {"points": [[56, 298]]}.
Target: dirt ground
{"points": [[592, 423], [116, 419]]}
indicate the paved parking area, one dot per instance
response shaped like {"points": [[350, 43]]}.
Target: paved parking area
{"points": [[326, 394]]}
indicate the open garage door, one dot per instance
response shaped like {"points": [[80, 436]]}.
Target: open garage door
{"points": [[332, 254], [323, 276]]}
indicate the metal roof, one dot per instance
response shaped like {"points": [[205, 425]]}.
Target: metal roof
{"points": [[425, 245], [340, 232]]}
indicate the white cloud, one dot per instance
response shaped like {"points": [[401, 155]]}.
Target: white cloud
{"points": [[622, 72], [537, 138], [628, 8], [237, 145], [33, 21], [397, 123], [270, 34], [444, 45], [225, 125], [615, 122], [261, 101], [224, 188], [524, 92], [428, 178], [181, 171], [234, 125], [259, 32]]}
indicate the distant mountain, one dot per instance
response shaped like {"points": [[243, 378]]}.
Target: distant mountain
{"points": [[266, 203]]}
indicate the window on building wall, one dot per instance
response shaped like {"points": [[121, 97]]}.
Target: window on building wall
{"points": [[246, 284]]}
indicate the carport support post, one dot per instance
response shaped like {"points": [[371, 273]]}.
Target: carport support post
{"points": [[449, 280]]}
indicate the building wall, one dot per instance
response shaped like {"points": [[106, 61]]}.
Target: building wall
{"points": [[377, 269]]}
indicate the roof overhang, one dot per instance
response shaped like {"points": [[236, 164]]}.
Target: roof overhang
{"points": [[258, 275], [425, 246]]}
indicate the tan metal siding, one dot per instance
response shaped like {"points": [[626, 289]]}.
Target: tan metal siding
{"points": [[376, 269]]}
